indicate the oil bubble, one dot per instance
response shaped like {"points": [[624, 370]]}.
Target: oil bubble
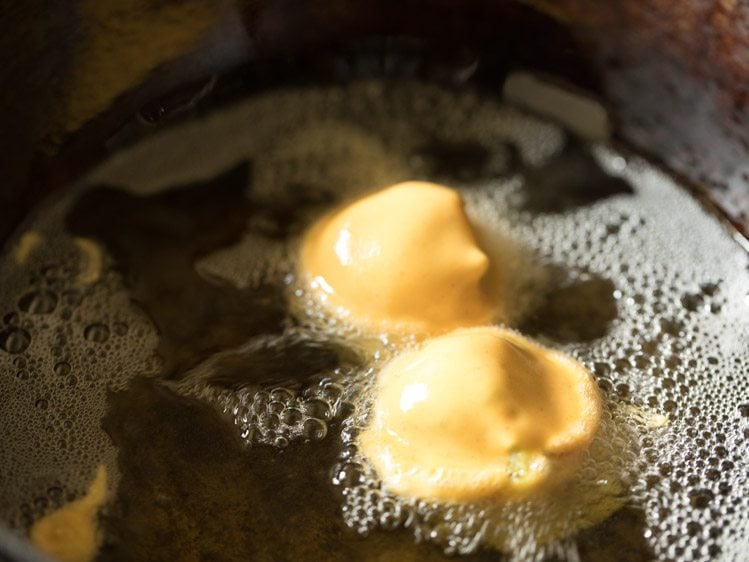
{"points": [[38, 302], [62, 368], [14, 340], [97, 332]]}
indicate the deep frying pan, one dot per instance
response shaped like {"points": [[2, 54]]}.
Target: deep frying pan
{"points": [[82, 79]]}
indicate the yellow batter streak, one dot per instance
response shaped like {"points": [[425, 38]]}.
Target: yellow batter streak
{"points": [[70, 534]]}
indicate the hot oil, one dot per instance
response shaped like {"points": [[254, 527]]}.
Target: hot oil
{"points": [[162, 300]]}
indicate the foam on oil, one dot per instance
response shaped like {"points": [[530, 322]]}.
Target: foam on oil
{"points": [[676, 348]]}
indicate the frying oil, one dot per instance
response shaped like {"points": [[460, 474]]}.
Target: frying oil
{"points": [[153, 321]]}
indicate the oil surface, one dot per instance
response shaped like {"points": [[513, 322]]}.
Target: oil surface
{"points": [[230, 403]]}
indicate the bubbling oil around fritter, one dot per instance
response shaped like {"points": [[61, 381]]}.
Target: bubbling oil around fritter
{"points": [[667, 316]]}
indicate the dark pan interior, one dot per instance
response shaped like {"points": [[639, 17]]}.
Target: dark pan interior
{"points": [[674, 74]]}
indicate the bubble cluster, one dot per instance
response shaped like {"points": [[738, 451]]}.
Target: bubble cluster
{"points": [[279, 415], [56, 369], [526, 529], [672, 365]]}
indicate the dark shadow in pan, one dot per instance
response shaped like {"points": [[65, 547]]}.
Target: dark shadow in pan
{"points": [[572, 178], [572, 310], [156, 240]]}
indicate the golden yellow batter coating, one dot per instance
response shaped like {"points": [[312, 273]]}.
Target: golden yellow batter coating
{"points": [[480, 413], [401, 259]]}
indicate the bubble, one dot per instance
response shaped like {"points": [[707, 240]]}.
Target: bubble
{"points": [[38, 302], [276, 407], [692, 302], [318, 408], [282, 395], [11, 318], [348, 474], [292, 416], [14, 340], [97, 332], [55, 493], [315, 429], [62, 368], [700, 498]]}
